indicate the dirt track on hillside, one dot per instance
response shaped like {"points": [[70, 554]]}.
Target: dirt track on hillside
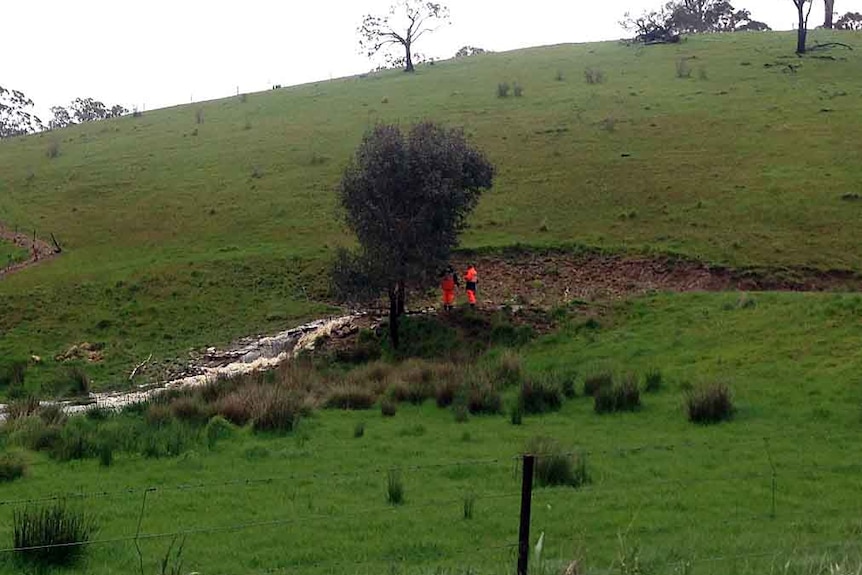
{"points": [[547, 278], [37, 250]]}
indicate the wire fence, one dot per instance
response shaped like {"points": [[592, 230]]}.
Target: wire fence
{"points": [[670, 523]]}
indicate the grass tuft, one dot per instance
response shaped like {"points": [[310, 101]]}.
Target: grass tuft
{"points": [[394, 488], [555, 467], [58, 531], [710, 403]]}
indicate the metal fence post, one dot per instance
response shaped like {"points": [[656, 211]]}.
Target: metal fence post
{"points": [[526, 504]]}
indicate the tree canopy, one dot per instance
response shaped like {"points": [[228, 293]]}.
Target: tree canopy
{"points": [[406, 22], [407, 198], [83, 110], [16, 116], [677, 17]]}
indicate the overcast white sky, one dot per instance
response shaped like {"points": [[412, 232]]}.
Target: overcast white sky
{"points": [[158, 53]]}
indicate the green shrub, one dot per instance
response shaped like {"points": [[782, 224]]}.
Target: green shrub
{"points": [[624, 396], [540, 395], [394, 488], [217, 429], [652, 381], [709, 404], [350, 397], [555, 467], [597, 381], [388, 407], [57, 532], [12, 466]]}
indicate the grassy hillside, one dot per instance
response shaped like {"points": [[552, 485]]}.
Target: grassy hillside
{"points": [[680, 497], [180, 233]]}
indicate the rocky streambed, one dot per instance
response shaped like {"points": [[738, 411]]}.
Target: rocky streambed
{"points": [[247, 356]]}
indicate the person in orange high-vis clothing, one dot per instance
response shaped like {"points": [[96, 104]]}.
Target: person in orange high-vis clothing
{"points": [[447, 284], [471, 277]]}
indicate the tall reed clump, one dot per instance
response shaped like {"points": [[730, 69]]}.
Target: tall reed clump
{"points": [[553, 466], [53, 535], [710, 403]]}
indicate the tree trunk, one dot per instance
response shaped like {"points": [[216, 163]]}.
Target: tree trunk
{"points": [[830, 11], [402, 298], [393, 316], [802, 32], [408, 59]]}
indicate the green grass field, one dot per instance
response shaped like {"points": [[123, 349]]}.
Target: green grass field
{"points": [[672, 491], [180, 234]]}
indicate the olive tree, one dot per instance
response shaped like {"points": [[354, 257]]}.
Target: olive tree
{"points": [[407, 198]]}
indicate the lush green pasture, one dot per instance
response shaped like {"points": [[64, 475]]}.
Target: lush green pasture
{"points": [[663, 489], [180, 234]]}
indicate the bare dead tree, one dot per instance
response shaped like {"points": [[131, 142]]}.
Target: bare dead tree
{"points": [[406, 22]]}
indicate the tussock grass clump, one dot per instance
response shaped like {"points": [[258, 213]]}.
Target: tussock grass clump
{"points": [[445, 393], [158, 414], [218, 429], [597, 381], [394, 488], [503, 90], [12, 467], [482, 398], [710, 403], [540, 395], [371, 375], [275, 409], [21, 408], [234, 409], [54, 525], [555, 467], [624, 396], [359, 430], [350, 397], [12, 373], [594, 76], [388, 407], [189, 409], [509, 369], [652, 381]]}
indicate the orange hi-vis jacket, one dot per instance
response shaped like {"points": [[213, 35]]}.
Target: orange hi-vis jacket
{"points": [[471, 276], [448, 283]]}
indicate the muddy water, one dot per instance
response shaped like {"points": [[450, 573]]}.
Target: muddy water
{"points": [[257, 355]]}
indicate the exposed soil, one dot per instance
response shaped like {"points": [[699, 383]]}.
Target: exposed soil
{"points": [[551, 277], [37, 249]]}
